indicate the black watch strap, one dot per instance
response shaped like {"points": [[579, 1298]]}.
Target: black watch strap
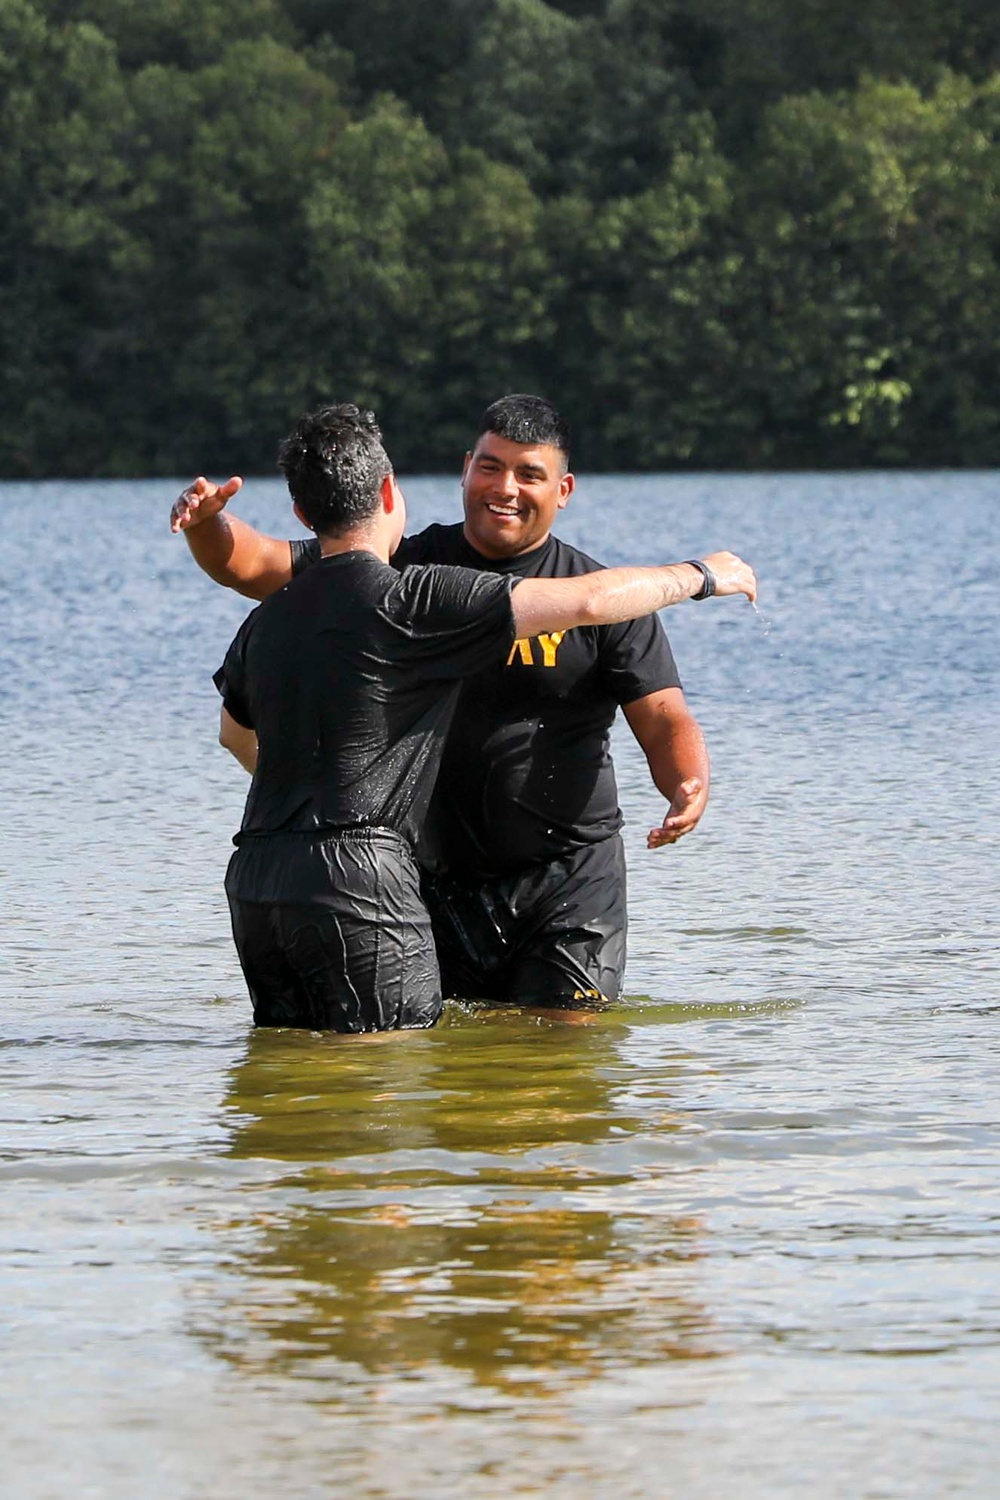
{"points": [[708, 587]]}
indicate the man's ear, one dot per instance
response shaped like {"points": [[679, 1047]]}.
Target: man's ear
{"points": [[567, 484], [389, 494], [300, 517]]}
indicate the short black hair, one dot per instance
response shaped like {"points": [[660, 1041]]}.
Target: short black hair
{"points": [[334, 461], [521, 418]]}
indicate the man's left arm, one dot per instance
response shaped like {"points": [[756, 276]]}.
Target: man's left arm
{"points": [[675, 750]]}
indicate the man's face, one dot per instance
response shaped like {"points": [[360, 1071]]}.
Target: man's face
{"points": [[512, 492]]}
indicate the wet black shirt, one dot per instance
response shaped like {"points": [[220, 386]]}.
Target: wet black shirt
{"points": [[527, 774], [350, 676]]}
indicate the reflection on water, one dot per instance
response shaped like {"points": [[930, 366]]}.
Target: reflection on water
{"points": [[458, 1199]]}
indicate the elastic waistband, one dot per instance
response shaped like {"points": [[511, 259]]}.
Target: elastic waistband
{"points": [[365, 833], [355, 833]]}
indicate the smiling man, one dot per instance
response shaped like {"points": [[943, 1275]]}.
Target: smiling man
{"points": [[525, 871]]}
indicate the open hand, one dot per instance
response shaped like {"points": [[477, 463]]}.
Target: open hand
{"points": [[732, 575], [201, 500], [685, 810]]}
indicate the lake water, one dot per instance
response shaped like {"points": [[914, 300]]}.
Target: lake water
{"points": [[738, 1238]]}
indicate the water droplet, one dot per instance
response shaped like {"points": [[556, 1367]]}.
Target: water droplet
{"points": [[764, 623]]}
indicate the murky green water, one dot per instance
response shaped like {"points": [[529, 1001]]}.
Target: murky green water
{"points": [[736, 1238]]}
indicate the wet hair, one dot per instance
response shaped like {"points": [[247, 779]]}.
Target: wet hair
{"points": [[526, 419], [334, 461]]}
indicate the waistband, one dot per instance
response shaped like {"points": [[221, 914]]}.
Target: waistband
{"points": [[355, 833]]}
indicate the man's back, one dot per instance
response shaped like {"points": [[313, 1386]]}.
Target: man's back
{"points": [[350, 676]]}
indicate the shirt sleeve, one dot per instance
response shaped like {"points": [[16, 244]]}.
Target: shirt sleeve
{"points": [[230, 679], [636, 660], [304, 553], [451, 622]]}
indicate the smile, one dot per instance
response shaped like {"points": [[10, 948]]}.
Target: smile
{"points": [[510, 511]]}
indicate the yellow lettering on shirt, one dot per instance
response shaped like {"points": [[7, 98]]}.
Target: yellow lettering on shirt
{"points": [[524, 647], [549, 643]]}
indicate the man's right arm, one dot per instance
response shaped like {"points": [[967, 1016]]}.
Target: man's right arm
{"points": [[226, 548], [612, 595]]}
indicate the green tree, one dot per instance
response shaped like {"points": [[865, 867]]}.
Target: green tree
{"points": [[869, 285], [749, 54], [258, 148], [574, 105], [184, 34], [412, 51], [488, 324], [64, 249], [644, 347], [426, 281]]}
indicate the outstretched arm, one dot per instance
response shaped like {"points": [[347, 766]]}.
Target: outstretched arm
{"points": [[675, 751], [612, 595], [226, 548]]}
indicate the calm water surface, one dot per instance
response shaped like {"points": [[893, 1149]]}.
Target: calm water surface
{"points": [[737, 1238]]}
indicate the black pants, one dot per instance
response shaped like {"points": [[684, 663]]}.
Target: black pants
{"points": [[550, 935], [332, 932]]}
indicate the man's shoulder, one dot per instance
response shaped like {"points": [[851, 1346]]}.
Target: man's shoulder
{"points": [[567, 561], [452, 621], [435, 544], [323, 589], [441, 589]]}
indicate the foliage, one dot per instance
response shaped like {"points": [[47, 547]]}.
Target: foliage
{"points": [[869, 277], [763, 233]]}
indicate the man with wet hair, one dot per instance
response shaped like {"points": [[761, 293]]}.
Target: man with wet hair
{"points": [[524, 867], [528, 420]]}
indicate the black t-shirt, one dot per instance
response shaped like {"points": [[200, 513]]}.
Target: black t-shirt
{"points": [[350, 675], [527, 774]]}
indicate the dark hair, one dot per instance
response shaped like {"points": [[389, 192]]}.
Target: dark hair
{"points": [[334, 462], [526, 419]]}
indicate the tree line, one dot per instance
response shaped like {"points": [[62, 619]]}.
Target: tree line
{"points": [[737, 233]]}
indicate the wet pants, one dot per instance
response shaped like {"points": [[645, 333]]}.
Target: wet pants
{"points": [[550, 935], [332, 932]]}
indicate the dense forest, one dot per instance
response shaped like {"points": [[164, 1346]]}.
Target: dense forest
{"points": [[732, 233]]}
